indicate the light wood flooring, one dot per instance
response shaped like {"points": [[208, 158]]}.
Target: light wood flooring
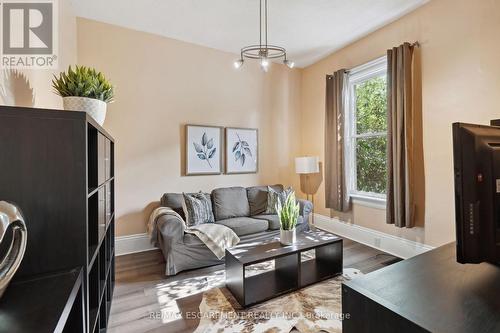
{"points": [[141, 283]]}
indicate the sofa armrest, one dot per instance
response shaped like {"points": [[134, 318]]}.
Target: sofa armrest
{"points": [[306, 207], [170, 230]]}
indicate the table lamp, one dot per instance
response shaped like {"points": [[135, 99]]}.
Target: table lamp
{"points": [[308, 168]]}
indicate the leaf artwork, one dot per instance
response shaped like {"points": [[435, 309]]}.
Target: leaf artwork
{"points": [[241, 149], [206, 150]]}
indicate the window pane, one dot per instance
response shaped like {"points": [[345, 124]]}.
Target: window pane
{"points": [[371, 105], [371, 164]]}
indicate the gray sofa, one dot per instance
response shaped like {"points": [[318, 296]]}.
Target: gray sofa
{"points": [[241, 209]]}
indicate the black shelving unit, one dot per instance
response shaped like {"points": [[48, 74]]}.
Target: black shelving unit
{"points": [[58, 167], [101, 227]]}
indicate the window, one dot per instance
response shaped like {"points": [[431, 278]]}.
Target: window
{"points": [[366, 131]]}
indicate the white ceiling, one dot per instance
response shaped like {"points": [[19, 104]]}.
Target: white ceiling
{"points": [[308, 29]]}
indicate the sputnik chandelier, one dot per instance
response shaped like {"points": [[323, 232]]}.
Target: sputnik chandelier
{"points": [[264, 52]]}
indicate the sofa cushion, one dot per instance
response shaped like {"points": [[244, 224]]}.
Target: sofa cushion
{"points": [[257, 198], [273, 220], [175, 201], [245, 225], [197, 209], [230, 202]]}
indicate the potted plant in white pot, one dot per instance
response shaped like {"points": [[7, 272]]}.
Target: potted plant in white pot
{"points": [[288, 213], [84, 89]]}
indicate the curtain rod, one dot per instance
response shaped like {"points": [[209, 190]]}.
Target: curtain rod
{"points": [[414, 44]]}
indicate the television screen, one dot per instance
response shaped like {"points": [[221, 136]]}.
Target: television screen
{"points": [[476, 154]]}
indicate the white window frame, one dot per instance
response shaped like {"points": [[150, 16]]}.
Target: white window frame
{"points": [[356, 76]]}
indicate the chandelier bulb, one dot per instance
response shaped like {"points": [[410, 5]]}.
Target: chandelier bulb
{"points": [[238, 63], [264, 63], [289, 63]]}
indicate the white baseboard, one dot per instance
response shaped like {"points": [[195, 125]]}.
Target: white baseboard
{"points": [[394, 245], [132, 244], [400, 247]]}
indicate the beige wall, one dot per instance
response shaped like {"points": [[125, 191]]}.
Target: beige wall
{"points": [[163, 84], [40, 80], [460, 82]]}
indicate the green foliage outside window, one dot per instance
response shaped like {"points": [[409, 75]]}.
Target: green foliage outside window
{"points": [[371, 118]]}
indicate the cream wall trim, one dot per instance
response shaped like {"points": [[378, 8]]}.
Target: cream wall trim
{"points": [[394, 245], [132, 244], [397, 246], [369, 202]]}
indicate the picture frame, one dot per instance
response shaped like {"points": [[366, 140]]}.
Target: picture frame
{"points": [[242, 150], [204, 146]]}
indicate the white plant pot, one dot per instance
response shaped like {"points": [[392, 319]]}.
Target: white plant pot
{"points": [[287, 237], [94, 107]]}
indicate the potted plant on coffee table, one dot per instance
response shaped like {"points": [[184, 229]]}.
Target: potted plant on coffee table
{"points": [[84, 89], [288, 213]]}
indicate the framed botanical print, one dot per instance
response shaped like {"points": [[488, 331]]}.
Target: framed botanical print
{"points": [[203, 150], [242, 155]]}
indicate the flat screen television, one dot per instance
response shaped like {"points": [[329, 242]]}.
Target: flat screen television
{"points": [[476, 155]]}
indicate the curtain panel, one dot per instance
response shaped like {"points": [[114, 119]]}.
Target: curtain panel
{"points": [[404, 137], [336, 197]]}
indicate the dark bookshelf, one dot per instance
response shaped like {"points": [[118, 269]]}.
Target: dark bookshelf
{"points": [[58, 167]]}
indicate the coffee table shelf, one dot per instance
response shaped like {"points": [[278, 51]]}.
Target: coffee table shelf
{"points": [[312, 272], [289, 273], [267, 285]]}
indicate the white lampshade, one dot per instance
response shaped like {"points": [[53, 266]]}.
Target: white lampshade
{"points": [[308, 164]]}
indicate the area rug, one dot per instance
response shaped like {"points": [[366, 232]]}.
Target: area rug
{"points": [[310, 310]]}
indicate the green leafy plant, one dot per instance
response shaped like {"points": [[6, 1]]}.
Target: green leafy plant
{"points": [[83, 82], [288, 211]]}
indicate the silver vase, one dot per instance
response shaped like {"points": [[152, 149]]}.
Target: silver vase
{"points": [[13, 229], [287, 237]]}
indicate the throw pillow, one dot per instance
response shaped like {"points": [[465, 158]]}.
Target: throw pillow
{"points": [[273, 197], [197, 209]]}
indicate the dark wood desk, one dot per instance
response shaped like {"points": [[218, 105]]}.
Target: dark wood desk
{"points": [[428, 293]]}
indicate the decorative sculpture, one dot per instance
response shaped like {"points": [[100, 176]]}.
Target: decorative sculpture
{"points": [[13, 229]]}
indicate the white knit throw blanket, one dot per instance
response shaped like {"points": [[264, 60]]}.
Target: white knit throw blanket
{"points": [[216, 237]]}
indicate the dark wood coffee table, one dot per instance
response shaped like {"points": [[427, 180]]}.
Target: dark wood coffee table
{"points": [[290, 272]]}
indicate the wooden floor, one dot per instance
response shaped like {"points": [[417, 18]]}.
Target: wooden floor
{"points": [[140, 276]]}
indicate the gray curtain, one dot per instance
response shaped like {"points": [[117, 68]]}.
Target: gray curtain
{"points": [[335, 182], [403, 137]]}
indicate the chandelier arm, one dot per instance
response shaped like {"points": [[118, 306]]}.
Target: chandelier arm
{"points": [[253, 56], [255, 52], [270, 46]]}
